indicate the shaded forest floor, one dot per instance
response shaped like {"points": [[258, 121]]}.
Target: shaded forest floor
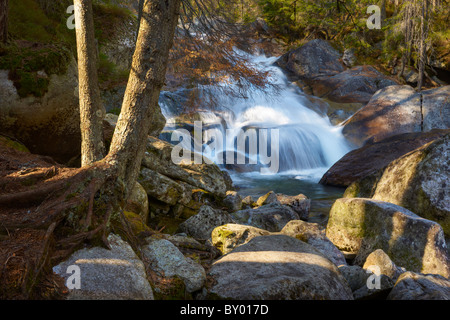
{"points": [[26, 253]]}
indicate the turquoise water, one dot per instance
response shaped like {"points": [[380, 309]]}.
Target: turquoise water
{"points": [[288, 184]]}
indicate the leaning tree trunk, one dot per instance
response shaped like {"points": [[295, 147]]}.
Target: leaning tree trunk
{"points": [[91, 109], [148, 70], [3, 21]]}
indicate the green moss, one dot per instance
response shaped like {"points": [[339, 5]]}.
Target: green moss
{"points": [[30, 66], [13, 144]]}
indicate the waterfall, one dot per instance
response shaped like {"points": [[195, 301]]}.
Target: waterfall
{"points": [[308, 143]]}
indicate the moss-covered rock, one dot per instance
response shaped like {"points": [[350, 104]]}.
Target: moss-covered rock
{"points": [[361, 226], [417, 181], [229, 236], [7, 142]]}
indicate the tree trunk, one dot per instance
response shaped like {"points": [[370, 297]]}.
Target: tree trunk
{"points": [[92, 112], [3, 21], [140, 104], [423, 47]]}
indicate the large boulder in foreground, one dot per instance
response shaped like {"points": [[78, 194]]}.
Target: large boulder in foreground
{"points": [[115, 274], [277, 267], [418, 181], [361, 226], [399, 109], [370, 158]]}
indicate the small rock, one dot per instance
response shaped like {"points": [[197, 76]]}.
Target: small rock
{"points": [[300, 204], [271, 217], [203, 223], [268, 198], [386, 266], [227, 237], [233, 201]]}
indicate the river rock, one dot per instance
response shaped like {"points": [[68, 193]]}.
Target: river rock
{"points": [[300, 204], [271, 217], [399, 109], [417, 181], [201, 225], [355, 276], [390, 111], [355, 85], [209, 177], [414, 286], [314, 235], [115, 274], [233, 201], [169, 262], [277, 267], [229, 236], [315, 58], [361, 226], [386, 266], [268, 198], [370, 158]]}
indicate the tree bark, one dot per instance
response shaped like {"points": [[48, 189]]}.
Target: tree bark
{"points": [[423, 47], [140, 104], [3, 21], [92, 112]]}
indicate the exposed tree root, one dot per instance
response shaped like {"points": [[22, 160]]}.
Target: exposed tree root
{"points": [[45, 223]]}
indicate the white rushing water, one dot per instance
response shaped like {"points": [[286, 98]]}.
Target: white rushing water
{"points": [[308, 143]]}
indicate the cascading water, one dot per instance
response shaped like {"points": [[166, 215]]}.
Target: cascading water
{"points": [[308, 143]]}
